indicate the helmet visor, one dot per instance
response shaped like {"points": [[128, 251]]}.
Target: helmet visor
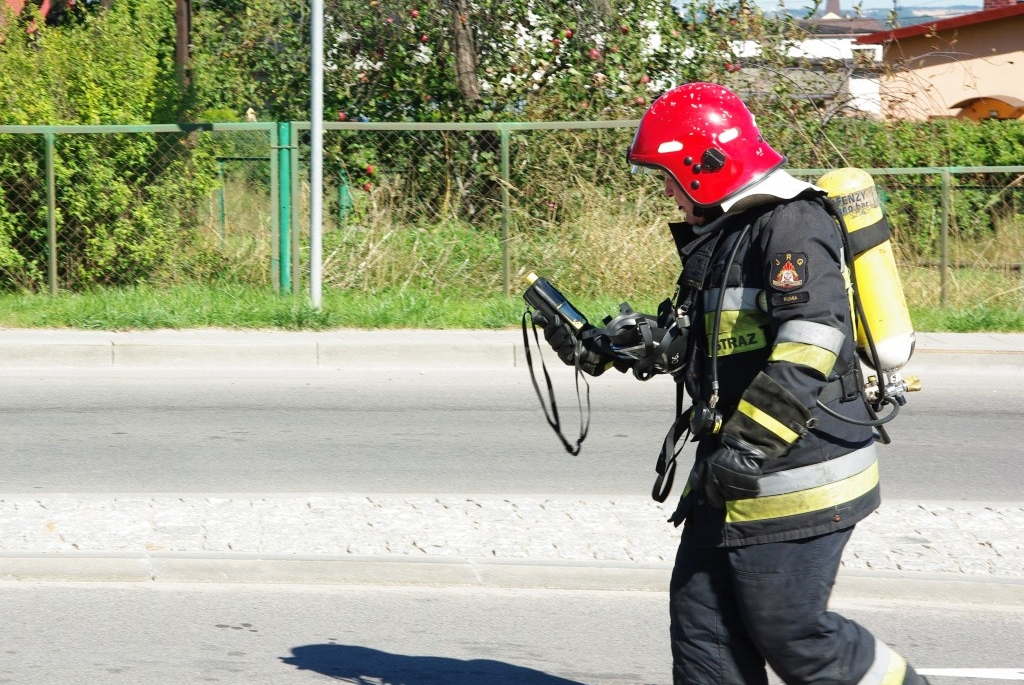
{"points": [[644, 170]]}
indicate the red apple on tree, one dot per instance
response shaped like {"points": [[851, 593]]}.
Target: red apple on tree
{"points": [[370, 170], [414, 13], [342, 116], [595, 53]]}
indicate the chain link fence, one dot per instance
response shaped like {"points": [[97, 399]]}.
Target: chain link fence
{"points": [[958, 233], [443, 208], [87, 207], [467, 209]]}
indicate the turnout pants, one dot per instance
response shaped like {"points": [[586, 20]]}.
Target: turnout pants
{"points": [[735, 609]]}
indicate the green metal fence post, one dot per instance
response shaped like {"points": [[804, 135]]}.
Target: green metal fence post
{"points": [[504, 209], [944, 238], [275, 209], [296, 234], [275, 202], [49, 140], [284, 170]]}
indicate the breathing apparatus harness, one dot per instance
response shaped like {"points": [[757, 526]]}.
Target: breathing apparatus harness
{"points": [[702, 418]]}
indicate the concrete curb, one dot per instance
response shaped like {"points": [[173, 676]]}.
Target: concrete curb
{"points": [[362, 349], [347, 349], [851, 585]]}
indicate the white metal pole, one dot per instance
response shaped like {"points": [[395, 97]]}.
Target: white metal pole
{"points": [[316, 153]]}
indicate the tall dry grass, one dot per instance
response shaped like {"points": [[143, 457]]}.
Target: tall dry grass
{"points": [[983, 272], [601, 243], [594, 243]]}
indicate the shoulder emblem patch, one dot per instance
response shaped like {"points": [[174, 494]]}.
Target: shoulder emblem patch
{"points": [[789, 270]]}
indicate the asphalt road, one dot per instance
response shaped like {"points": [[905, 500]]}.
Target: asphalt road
{"points": [[185, 431], [100, 634]]}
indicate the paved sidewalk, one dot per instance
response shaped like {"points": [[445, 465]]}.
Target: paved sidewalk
{"points": [[956, 549], [253, 537]]}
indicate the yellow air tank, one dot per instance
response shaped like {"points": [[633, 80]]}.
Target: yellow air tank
{"points": [[877, 280]]}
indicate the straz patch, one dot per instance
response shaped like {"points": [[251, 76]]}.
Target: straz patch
{"points": [[739, 332], [740, 341], [789, 271]]}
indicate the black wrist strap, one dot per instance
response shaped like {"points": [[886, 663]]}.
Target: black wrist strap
{"points": [[552, 415], [666, 465]]}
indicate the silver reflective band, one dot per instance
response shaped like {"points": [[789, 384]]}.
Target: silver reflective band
{"points": [[822, 473], [811, 333], [645, 170], [736, 299]]}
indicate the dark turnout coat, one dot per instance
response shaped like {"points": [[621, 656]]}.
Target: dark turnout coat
{"points": [[785, 342]]}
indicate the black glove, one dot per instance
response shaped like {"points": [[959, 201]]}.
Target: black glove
{"points": [[732, 471], [562, 339]]}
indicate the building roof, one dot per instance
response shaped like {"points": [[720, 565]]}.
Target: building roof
{"points": [[943, 25], [16, 6]]}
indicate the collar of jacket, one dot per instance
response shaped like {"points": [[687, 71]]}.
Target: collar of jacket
{"points": [[778, 185]]}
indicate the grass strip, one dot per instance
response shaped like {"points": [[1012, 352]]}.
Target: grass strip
{"points": [[240, 307]]}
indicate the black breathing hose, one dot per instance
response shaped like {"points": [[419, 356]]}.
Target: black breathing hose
{"points": [[718, 314]]}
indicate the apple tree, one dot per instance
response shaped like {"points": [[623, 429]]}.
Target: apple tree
{"points": [[477, 60]]}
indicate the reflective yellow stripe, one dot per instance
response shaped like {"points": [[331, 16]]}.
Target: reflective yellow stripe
{"points": [[767, 421], [739, 331], [804, 501], [812, 356], [897, 670]]}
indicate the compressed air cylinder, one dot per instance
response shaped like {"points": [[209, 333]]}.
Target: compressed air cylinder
{"points": [[886, 317]]}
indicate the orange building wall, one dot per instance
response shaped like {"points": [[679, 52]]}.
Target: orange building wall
{"points": [[932, 72]]}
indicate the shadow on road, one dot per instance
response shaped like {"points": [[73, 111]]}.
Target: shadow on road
{"points": [[359, 665]]}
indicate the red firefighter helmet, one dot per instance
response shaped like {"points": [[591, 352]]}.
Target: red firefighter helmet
{"points": [[705, 137]]}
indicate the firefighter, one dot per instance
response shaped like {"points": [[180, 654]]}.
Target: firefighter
{"points": [[778, 483]]}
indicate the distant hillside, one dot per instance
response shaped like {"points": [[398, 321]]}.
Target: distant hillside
{"points": [[909, 16], [905, 15]]}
